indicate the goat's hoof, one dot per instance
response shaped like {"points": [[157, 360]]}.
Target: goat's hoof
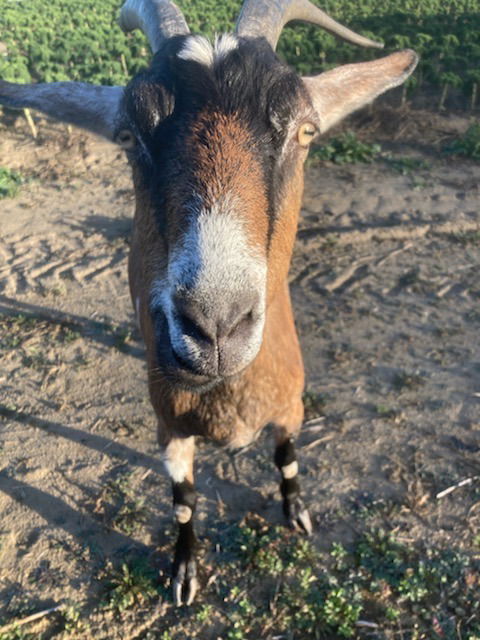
{"points": [[298, 516], [185, 583]]}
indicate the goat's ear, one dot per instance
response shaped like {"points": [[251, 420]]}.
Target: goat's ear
{"points": [[88, 106], [338, 92]]}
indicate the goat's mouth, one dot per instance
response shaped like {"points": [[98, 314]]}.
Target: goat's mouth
{"points": [[177, 371], [183, 377]]}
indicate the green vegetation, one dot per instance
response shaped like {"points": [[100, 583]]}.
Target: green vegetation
{"points": [[314, 404], [132, 584], [73, 41], [119, 505], [10, 182], [19, 330], [467, 145], [407, 381], [377, 583], [406, 165], [345, 149], [270, 582], [466, 238], [17, 634]]}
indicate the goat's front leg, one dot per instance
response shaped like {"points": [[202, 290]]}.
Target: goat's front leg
{"points": [[293, 506], [178, 459]]}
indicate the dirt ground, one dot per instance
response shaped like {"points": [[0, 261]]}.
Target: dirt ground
{"points": [[386, 284]]}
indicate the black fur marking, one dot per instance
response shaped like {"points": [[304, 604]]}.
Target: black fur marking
{"points": [[184, 493], [162, 103], [184, 568], [285, 454], [290, 488]]}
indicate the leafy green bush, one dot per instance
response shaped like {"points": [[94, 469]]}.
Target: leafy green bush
{"points": [[10, 182]]}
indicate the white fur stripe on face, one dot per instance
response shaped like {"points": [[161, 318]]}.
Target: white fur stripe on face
{"points": [[289, 471], [218, 265], [215, 253]]}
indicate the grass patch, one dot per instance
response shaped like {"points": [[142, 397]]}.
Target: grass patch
{"points": [[10, 182]]}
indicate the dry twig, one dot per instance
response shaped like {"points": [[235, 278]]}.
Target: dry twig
{"points": [[31, 618], [462, 483]]}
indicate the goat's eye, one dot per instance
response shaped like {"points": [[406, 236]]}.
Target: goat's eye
{"points": [[306, 133], [126, 139]]}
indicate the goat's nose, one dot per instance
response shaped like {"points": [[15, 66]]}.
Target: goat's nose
{"points": [[213, 338]]}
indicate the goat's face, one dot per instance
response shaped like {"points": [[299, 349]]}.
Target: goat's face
{"points": [[219, 135]]}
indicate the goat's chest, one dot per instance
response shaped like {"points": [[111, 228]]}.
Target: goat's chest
{"points": [[234, 413]]}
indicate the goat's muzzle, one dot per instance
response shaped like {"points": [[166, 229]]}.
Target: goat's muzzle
{"points": [[200, 348]]}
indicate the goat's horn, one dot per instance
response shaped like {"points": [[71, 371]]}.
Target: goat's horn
{"points": [[158, 19], [268, 17]]}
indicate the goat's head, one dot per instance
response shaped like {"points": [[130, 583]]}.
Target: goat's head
{"points": [[217, 135]]}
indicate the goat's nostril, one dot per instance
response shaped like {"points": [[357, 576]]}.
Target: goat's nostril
{"points": [[241, 323], [193, 329]]}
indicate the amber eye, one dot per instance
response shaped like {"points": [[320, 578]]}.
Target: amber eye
{"points": [[125, 139], [306, 133]]}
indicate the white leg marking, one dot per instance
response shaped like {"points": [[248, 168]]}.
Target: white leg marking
{"points": [[182, 513], [290, 470], [178, 458]]}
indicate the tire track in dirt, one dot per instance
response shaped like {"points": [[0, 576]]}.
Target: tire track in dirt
{"points": [[33, 261]]}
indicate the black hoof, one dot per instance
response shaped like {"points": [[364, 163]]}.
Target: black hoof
{"points": [[185, 583], [297, 515]]}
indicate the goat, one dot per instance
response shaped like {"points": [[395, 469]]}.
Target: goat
{"points": [[216, 135]]}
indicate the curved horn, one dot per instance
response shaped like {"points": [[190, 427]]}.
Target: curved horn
{"points": [[268, 17], [158, 19]]}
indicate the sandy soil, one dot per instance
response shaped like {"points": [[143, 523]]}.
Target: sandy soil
{"points": [[386, 285]]}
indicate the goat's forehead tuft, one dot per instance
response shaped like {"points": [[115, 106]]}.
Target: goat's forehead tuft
{"points": [[199, 49]]}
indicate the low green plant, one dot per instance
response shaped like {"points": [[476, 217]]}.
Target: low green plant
{"points": [[325, 595], [467, 145], [345, 149], [133, 583], [466, 237], [404, 380], [17, 633], [314, 404], [120, 506], [10, 182], [405, 165]]}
